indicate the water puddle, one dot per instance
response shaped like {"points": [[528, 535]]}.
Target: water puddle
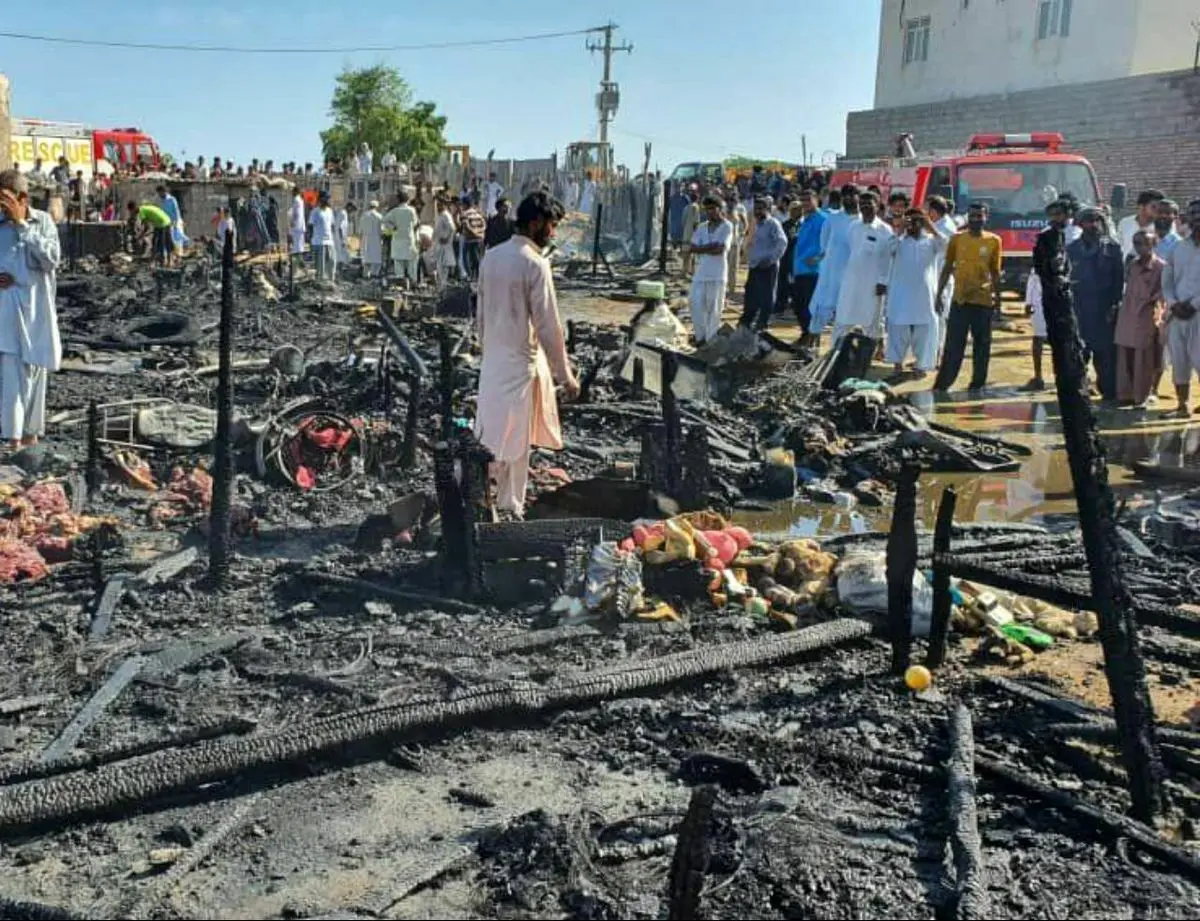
{"points": [[1041, 490]]}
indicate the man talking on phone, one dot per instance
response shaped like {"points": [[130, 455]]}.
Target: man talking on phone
{"points": [[30, 347]]}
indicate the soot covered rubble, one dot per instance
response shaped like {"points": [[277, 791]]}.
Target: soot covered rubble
{"points": [[393, 710]]}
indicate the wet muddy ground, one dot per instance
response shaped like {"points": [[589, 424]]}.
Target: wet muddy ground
{"points": [[568, 812]]}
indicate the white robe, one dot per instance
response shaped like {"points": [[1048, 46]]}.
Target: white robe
{"points": [[341, 235], [296, 224], [866, 267], [835, 244], [29, 325], [587, 197], [372, 238], [29, 339], [402, 222], [443, 242], [494, 191]]}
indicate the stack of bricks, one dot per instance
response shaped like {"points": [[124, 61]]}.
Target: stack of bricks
{"points": [[1143, 131]]}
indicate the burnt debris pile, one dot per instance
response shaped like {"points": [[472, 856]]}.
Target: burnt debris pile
{"points": [[392, 704]]}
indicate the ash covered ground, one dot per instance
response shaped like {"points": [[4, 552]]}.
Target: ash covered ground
{"points": [[341, 733]]}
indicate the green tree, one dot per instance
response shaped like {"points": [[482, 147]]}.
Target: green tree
{"points": [[375, 105]]}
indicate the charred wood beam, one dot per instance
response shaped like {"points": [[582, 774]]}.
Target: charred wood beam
{"points": [[34, 770], [219, 537], [412, 419], [446, 380], [95, 469], [1107, 823], [1105, 730], [638, 385], [1113, 602], [971, 874], [12, 910], [673, 427], [415, 361], [693, 851], [665, 228], [362, 587], [92, 710], [115, 788], [1058, 705], [902, 566], [939, 630]]}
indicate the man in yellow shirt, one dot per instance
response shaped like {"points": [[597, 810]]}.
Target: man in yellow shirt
{"points": [[973, 260]]}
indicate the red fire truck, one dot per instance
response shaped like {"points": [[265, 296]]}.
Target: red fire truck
{"points": [[87, 149], [1016, 175]]}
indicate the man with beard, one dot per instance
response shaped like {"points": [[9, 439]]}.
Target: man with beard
{"points": [[30, 347], [1098, 280], [835, 251], [973, 260], [523, 351], [866, 273]]}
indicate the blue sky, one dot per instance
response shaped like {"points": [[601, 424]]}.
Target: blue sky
{"points": [[706, 78]]}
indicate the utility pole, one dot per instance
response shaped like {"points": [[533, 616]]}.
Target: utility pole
{"points": [[609, 97]]}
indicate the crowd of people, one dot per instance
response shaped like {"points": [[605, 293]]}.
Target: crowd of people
{"points": [[921, 282]]}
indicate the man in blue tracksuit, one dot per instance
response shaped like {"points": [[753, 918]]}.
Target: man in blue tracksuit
{"points": [[806, 260]]}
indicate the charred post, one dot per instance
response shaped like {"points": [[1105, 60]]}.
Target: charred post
{"points": [[639, 379], [222, 502], [95, 471], [939, 629], [902, 566], [696, 474], [671, 421], [446, 380], [596, 236], [666, 227], [461, 572], [692, 854], [970, 890], [412, 421], [1123, 663]]}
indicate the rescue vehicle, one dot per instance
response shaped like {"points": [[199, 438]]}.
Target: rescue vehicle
{"points": [[89, 150], [1016, 175]]}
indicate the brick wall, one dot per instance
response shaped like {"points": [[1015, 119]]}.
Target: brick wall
{"points": [[1144, 131]]}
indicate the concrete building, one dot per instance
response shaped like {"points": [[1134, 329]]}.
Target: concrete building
{"points": [[1114, 76], [934, 50]]}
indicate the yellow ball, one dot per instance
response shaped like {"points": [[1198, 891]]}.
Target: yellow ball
{"points": [[918, 678]]}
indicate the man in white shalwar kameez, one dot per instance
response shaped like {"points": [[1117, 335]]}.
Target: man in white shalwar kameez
{"points": [[866, 276], [523, 351], [911, 291], [401, 221], [371, 240], [939, 211], [444, 257], [835, 250], [710, 245], [30, 347], [341, 233], [297, 225]]}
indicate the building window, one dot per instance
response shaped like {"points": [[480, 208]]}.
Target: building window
{"points": [[916, 40], [1054, 18]]}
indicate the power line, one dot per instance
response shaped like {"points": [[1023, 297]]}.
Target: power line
{"points": [[236, 49]]}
